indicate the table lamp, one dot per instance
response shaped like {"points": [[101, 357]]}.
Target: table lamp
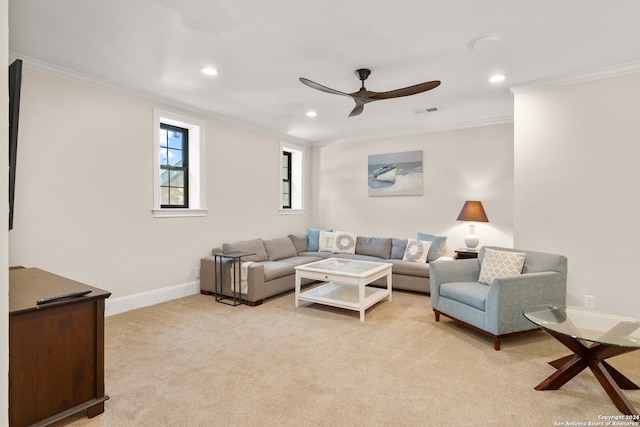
{"points": [[472, 211]]}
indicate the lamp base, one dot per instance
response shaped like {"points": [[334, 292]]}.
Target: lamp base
{"points": [[471, 240]]}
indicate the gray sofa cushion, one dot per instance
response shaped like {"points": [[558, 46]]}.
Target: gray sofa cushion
{"points": [[473, 294], [438, 244], [374, 246], [255, 245], [398, 247], [316, 254], [359, 257], [276, 269], [299, 241], [280, 248], [420, 269], [301, 260]]}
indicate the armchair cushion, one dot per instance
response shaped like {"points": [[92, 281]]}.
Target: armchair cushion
{"points": [[473, 294], [500, 264]]}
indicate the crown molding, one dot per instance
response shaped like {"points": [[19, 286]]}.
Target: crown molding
{"points": [[47, 68], [417, 131], [586, 76]]}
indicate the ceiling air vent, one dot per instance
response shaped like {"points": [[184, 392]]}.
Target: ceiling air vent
{"points": [[426, 110]]}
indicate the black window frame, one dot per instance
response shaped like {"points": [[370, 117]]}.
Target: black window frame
{"points": [[184, 168], [286, 180]]}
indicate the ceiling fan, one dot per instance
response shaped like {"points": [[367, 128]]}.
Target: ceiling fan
{"points": [[364, 96]]}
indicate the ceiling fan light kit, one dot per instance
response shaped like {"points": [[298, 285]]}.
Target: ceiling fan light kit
{"points": [[364, 96]]}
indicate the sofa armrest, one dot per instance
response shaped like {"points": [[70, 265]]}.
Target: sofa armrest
{"points": [[255, 278], [440, 272], [509, 295], [207, 275], [255, 282]]}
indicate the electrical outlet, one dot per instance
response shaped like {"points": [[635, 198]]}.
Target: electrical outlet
{"points": [[197, 273], [589, 301]]}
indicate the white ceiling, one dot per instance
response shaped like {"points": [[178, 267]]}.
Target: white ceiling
{"points": [[156, 48]]}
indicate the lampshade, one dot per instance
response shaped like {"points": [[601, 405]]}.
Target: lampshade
{"points": [[473, 211]]}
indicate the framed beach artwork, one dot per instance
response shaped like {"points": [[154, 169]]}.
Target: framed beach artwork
{"points": [[395, 174]]}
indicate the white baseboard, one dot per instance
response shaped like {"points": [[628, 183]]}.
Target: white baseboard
{"points": [[145, 299]]}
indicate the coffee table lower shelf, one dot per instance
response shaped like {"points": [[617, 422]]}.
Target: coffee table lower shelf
{"points": [[345, 296]]}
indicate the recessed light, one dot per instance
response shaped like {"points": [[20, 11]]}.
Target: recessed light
{"points": [[497, 78], [311, 114], [209, 71]]}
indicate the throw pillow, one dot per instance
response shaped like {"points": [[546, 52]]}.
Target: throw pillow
{"points": [[344, 243], [500, 264], [325, 241], [313, 239], [416, 251], [438, 244]]}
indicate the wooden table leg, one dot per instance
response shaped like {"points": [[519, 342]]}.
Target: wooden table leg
{"points": [[611, 380], [609, 384]]}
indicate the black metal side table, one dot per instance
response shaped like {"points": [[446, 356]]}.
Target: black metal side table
{"points": [[236, 275]]}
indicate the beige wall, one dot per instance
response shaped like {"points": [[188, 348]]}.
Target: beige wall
{"points": [[85, 191], [576, 185], [459, 165]]}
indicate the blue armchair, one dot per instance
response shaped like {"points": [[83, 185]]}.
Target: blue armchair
{"points": [[495, 307]]}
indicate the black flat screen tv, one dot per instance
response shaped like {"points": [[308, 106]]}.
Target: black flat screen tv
{"points": [[15, 82]]}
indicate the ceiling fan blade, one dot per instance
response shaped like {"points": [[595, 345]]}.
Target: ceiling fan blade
{"points": [[411, 90], [357, 110], [317, 86]]}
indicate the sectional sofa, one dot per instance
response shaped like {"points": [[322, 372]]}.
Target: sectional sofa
{"points": [[271, 270]]}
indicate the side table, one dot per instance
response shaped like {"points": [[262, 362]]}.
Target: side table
{"points": [[609, 335], [464, 253], [236, 275]]}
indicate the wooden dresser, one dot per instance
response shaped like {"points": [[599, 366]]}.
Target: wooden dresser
{"points": [[56, 350]]}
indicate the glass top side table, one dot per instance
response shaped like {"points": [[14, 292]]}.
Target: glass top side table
{"points": [[593, 336]]}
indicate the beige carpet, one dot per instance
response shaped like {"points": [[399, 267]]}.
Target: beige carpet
{"points": [[195, 362]]}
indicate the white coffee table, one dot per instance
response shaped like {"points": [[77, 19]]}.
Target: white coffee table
{"points": [[346, 283]]}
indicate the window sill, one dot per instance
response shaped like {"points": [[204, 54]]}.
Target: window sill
{"points": [[291, 211], [176, 213]]}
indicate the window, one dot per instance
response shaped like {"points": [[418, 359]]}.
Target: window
{"points": [[291, 164], [286, 180], [174, 167], [178, 166]]}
